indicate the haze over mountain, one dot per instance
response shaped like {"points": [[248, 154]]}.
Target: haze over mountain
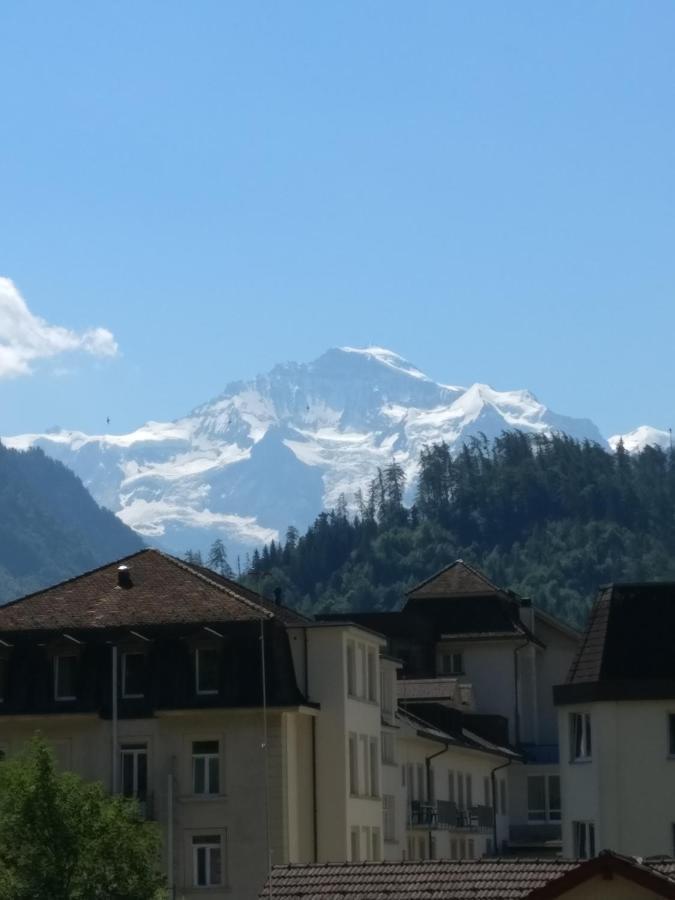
{"points": [[50, 527], [274, 451]]}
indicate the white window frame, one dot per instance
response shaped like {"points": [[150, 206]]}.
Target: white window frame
{"points": [[456, 663], [205, 758], [57, 660], [203, 692], [580, 726], [125, 694], [214, 842]]}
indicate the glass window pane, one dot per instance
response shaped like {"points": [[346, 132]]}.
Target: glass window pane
{"points": [[127, 774], [536, 797], [201, 866], [142, 777], [554, 794], [198, 771], [215, 872], [214, 775]]}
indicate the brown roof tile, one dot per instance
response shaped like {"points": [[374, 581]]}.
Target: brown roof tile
{"points": [[164, 591], [484, 879], [459, 578]]}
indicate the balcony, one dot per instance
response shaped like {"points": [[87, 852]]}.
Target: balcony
{"points": [[447, 815]]}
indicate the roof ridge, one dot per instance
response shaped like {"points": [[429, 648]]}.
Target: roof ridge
{"points": [[451, 565]]}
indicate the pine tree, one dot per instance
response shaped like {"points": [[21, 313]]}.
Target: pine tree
{"points": [[217, 559]]}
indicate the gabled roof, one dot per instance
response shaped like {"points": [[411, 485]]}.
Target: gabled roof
{"points": [[626, 651], [163, 591], [484, 879], [457, 579]]}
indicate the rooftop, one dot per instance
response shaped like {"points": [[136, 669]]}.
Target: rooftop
{"points": [[485, 879], [160, 590]]}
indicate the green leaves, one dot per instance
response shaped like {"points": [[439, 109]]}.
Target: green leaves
{"points": [[62, 838]]}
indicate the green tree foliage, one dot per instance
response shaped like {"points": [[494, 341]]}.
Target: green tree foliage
{"points": [[548, 516], [62, 838], [50, 526], [217, 559]]}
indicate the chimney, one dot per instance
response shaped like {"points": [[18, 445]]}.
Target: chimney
{"points": [[277, 596], [124, 577]]}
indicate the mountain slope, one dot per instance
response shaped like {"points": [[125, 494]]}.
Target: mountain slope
{"points": [[276, 450], [50, 527]]}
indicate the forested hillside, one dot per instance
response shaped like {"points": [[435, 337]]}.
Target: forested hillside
{"points": [[50, 527], [550, 517]]}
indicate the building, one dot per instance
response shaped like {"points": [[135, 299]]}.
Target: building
{"points": [[607, 877], [250, 733], [507, 655], [617, 726]]}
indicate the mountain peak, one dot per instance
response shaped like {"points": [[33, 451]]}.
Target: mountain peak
{"points": [[387, 358]]}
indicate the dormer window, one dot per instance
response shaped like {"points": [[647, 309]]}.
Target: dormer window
{"points": [[65, 676], [133, 675], [207, 670]]}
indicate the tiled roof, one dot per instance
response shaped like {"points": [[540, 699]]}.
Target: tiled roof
{"points": [[485, 879], [494, 879], [457, 578], [626, 650], [164, 591]]}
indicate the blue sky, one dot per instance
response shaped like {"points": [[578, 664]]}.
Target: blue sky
{"points": [[486, 188]]}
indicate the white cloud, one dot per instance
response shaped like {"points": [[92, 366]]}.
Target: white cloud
{"points": [[25, 338]]}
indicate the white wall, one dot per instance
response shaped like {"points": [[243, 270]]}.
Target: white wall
{"points": [[628, 788]]}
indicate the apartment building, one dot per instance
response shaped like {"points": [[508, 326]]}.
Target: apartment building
{"points": [[509, 654], [617, 726]]}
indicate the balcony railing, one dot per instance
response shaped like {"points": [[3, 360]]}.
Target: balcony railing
{"points": [[447, 815]]}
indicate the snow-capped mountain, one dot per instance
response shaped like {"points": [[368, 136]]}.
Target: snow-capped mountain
{"points": [[274, 451], [641, 437]]}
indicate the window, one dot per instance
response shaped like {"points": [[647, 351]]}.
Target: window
{"points": [[133, 675], [487, 791], [207, 855], [4, 668], [584, 839], [374, 769], [543, 798], [452, 664], [386, 692], [502, 794], [364, 787], [351, 669], [205, 767], [353, 766], [372, 676], [207, 670], [451, 786], [460, 790], [388, 748], [134, 770], [580, 737], [375, 854], [421, 783], [65, 672], [355, 840], [389, 816], [469, 790], [363, 671], [431, 786], [671, 728]]}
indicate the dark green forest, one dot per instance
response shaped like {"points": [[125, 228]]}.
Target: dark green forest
{"points": [[50, 526], [549, 517]]}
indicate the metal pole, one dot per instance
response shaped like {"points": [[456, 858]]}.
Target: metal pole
{"points": [[114, 748], [264, 749]]}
